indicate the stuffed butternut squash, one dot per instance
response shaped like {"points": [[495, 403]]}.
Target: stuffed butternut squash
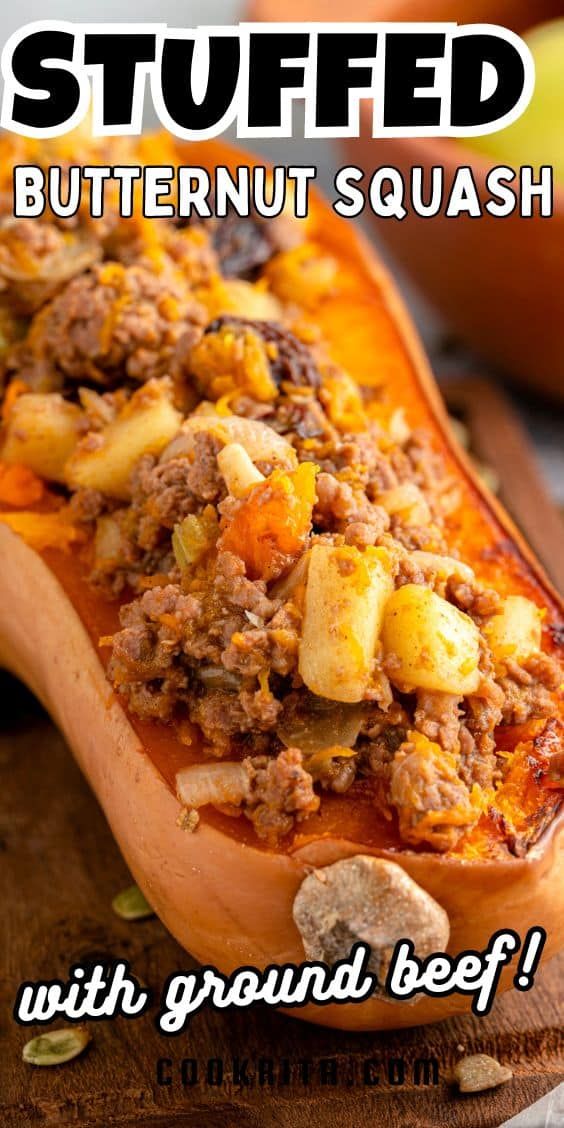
{"points": [[283, 628]]}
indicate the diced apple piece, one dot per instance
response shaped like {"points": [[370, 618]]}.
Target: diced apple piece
{"points": [[346, 593], [104, 460], [536, 137], [408, 501], [260, 441], [515, 632], [429, 643], [108, 541], [240, 299], [41, 433]]}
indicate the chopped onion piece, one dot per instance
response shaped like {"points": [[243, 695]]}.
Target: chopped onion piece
{"points": [[225, 782], [239, 471], [443, 566], [285, 587], [193, 536], [408, 501], [217, 677], [316, 724], [398, 428], [260, 441]]}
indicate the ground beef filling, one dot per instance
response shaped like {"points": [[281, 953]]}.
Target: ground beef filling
{"points": [[107, 324], [220, 647], [210, 633], [202, 653], [226, 657]]}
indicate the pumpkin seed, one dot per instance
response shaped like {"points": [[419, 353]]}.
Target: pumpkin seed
{"points": [[130, 904], [56, 1046], [188, 820], [480, 1071]]}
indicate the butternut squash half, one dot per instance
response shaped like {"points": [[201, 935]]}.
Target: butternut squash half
{"points": [[367, 640]]}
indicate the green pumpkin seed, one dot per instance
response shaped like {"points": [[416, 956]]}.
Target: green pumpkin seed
{"points": [[56, 1046], [130, 904]]}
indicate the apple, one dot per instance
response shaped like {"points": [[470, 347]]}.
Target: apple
{"points": [[537, 137]]}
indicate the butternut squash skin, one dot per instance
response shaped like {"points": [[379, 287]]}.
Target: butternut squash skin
{"points": [[223, 895]]}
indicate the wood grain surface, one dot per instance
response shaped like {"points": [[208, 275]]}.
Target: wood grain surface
{"points": [[60, 869], [500, 440]]}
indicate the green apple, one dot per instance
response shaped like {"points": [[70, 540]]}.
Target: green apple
{"points": [[537, 137]]}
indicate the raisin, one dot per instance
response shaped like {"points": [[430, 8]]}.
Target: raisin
{"points": [[243, 244], [292, 362]]}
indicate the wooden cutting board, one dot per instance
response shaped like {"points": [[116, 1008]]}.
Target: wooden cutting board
{"points": [[60, 869], [499, 439]]}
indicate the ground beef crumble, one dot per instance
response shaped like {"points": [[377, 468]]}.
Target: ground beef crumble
{"points": [[432, 801], [339, 508], [37, 259], [179, 638], [470, 597], [527, 689], [282, 791], [437, 715]]}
